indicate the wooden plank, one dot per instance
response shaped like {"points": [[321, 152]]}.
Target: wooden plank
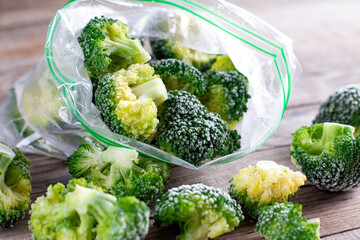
{"points": [[348, 235]]}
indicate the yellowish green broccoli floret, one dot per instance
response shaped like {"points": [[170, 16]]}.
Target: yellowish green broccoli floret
{"points": [[201, 212], [83, 211], [281, 221], [15, 185], [257, 186], [121, 172], [328, 154], [223, 63], [128, 100]]}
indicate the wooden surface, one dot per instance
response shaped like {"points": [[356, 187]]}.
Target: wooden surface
{"points": [[326, 37]]}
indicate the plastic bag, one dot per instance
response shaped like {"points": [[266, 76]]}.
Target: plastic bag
{"points": [[257, 50]]}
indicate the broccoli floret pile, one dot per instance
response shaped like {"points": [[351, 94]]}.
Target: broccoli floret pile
{"points": [[199, 210], [328, 154], [15, 186], [189, 131], [281, 221], [341, 107], [223, 63], [121, 172], [257, 186], [83, 211]]}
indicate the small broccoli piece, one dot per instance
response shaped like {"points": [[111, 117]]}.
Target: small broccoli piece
{"points": [[328, 154], [341, 107], [177, 75], [121, 172], [83, 211], [223, 63], [257, 186], [189, 131], [15, 186], [199, 210], [283, 221], [163, 49], [107, 47], [227, 95], [128, 100]]}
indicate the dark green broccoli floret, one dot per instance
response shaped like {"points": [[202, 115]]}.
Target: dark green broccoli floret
{"points": [[163, 49], [189, 131], [328, 154], [120, 171], [83, 211], [199, 210], [177, 75], [227, 95], [281, 221], [223, 63], [341, 107], [15, 186], [107, 47], [128, 100]]}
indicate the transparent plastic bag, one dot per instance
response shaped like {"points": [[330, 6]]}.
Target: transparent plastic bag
{"points": [[260, 52]]}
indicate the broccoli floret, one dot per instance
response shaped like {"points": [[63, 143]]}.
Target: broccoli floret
{"points": [[227, 95], [121, 172], [107, 47], [199, 210], [128, 100], [341, 107], [83, 211], [328, 154], [283, 221], [223, 63], [163, 49], [257, 186], [189, 131], [15, 186], [177, 75]]}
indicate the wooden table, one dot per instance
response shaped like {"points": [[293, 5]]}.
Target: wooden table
{"points": [[326, 37]]}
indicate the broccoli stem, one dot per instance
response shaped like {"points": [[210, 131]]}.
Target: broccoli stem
{"points": [[316, 223], [154, 89]]}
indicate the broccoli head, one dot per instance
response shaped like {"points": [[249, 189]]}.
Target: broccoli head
{"points": [[257, 186], [15, 186], [227, 95], [189, 131], [341, 107], [128, 100], [177, 75], [83, 211], [199, 210], [107, 47], [283, 221], [328, 154], [223, 63], [121, 172]]}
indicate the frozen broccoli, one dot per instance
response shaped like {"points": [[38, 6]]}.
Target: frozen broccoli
{"points": [[15, 186], [83, 211], [257, 186], [227, 95], [177, 75], [281, 221], [189, 131], [199, 210], [328, 154], [120, 171], [223, 63], [107, 47], [128, 100], [341, 107]]}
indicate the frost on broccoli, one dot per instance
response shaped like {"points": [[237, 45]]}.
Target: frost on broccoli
{"points": [[107, 47], [15, 186], [341, 107], [283, 221], [223, 63], [328, 154], [120, 171], [257, 186], [177, 75], [83, 211], [199, 210], [189, 131], [128, 100]]}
